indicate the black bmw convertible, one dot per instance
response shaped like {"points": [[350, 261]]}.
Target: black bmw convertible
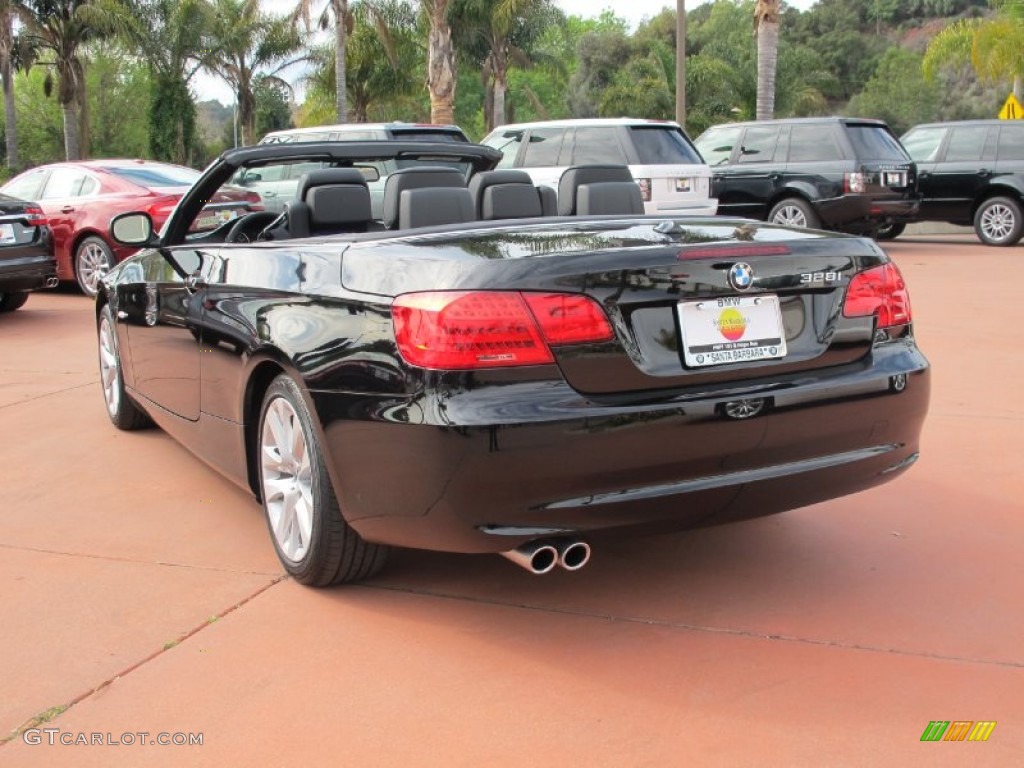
{"points": [[416, 350]]}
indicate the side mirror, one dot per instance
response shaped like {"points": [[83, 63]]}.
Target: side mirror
{"points": [[132, 229]]}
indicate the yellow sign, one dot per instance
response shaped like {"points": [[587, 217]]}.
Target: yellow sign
{"points": [[1012, 109]]}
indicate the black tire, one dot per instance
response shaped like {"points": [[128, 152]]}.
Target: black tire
{"points": [[13, 300], [93, 259], [328, 551], [890, 231], [122, 410], [795, 212], [999, 221]]}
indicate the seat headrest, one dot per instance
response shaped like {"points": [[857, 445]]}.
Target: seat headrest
{"points": [[337, 205], [479, 184], [416, 178], [323, 176], [576, 175]]}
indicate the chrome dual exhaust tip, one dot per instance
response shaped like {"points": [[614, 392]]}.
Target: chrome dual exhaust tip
{"points": [[541, 556], [52, 282]]}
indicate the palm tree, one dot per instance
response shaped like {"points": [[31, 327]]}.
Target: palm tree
{"points": [[504, 29], [382, 55], [441, 77], [994, 47], [168, 34], [7, 76], [766, 24], [61, 27], [244, 43], [343, 20], [681, 62]]}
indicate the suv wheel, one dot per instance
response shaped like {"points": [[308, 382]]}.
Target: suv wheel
{"points": [[999, 221], [794, 212], [890, 231]]}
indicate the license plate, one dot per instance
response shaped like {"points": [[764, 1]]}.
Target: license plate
{"points": [[895, 179], [736, 329], [683, 185], [7, 235]]}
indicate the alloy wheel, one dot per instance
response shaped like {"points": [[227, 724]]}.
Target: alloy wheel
{"points": [[93, 264], [790, 216], [287, 479], [997, 222], [110, 368]]}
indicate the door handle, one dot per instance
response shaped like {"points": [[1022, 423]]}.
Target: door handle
{"points": [[194, 282], [984, 172], [269, 194], [122, 315], [68, 209]]}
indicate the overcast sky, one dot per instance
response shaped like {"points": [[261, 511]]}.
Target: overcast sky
{"points": [[633, 11]]}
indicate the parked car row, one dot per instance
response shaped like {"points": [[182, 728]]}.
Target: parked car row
{"points": [[845, 174], [853, 175]]}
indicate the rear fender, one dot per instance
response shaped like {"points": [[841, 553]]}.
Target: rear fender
{"points": [[1004, 186]]}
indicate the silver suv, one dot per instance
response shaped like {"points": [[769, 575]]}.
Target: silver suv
{"points": [[672, 176]]}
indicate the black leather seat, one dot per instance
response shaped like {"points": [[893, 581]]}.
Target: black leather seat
{"points": [[426, 196], [329, 201], [586, 190], [510, 195]]}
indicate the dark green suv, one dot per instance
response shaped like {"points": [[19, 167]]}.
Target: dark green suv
{"points": [[846, 174], [971, 172]]}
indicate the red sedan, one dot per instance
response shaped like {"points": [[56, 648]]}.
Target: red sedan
{"points": [[80, 198]]}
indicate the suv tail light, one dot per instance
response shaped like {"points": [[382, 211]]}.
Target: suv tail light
{"points": [[466, 330], [35, 216], [880, 291], [645, 189], [855, 183]]}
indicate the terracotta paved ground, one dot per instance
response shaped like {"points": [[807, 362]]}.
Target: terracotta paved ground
{"points": [[141, 589]]}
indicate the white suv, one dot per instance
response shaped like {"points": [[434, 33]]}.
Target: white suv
{"points": [[367, 132], [673, 178]]}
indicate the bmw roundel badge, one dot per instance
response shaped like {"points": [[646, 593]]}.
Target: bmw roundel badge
{"points": [[741, 276]]}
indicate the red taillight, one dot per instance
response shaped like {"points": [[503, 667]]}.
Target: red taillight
{"points": [[35, 216], [254, 201], [880, 291], [463, 330], [569, 319], [161, 209]]}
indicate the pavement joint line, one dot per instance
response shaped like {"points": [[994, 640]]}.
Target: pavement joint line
{"points": [[667, 624], [112, 559], [30, 723], [48, 394], [35, 372]]}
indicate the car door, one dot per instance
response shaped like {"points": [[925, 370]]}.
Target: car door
{"points": [[749, 183], [161, 310], [965, 167], [924, 145], [62, 201]]}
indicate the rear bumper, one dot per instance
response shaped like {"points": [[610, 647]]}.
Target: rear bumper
{"points": [[682, 208], [26, 273], [487, 469], [862, 213]]}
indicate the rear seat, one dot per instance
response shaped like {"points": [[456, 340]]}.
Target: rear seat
{"points": [[586, 190], [426, 196], [510, 195]]}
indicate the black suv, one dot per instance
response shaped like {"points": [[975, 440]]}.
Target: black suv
{"points": [[840, 173], [971, 172]]}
